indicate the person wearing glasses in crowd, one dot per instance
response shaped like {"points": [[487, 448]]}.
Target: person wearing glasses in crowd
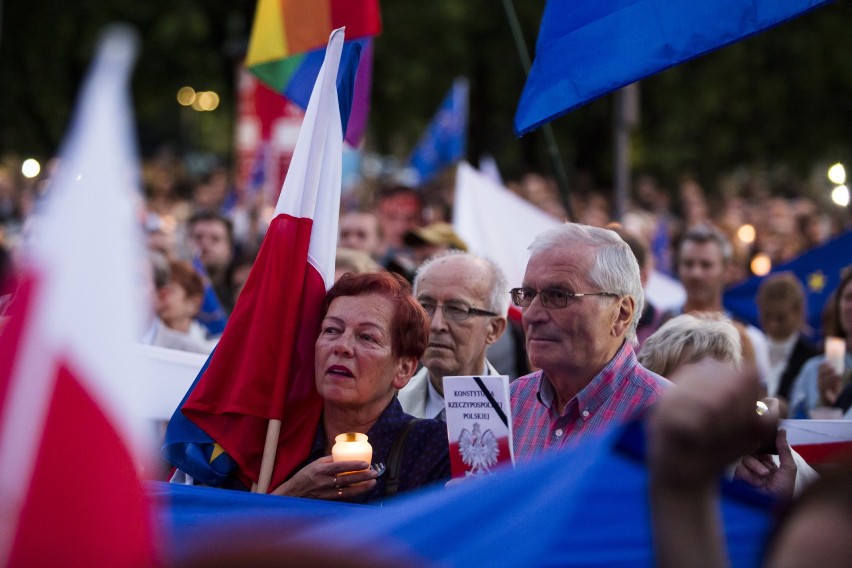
{"points": [[581, 299], [466, 297]]}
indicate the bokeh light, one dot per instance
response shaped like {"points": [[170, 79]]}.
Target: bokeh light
{"points": [[837, 174], [186, 96], [840, 195], [761, 264], [30, 168], [206, 101], [746, 234]]}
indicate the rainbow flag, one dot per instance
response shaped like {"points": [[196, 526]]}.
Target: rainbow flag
{"points": [[287, 48]]}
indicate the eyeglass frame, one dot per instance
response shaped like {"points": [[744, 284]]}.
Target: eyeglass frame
{"points": [[543, 294], [471, 311]]}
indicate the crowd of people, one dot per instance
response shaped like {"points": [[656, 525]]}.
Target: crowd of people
{"points": [[583, 348]]}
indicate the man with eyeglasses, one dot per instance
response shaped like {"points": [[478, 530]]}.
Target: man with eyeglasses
{"points": [[467, 299], [581, 300]]}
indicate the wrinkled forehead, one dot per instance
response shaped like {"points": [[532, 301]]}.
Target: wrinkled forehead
{"points": [[565, 266], [454, 277]]}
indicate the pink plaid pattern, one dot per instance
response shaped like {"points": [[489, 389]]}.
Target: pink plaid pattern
{"points": [[621, 391]]}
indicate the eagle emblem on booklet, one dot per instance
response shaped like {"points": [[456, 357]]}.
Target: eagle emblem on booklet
{"points": [[479, 424]]}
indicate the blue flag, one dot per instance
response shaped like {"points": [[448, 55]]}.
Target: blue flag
{"points": [[818, 270], [443, 143], [586, 507], [588, 48], [191, 450], [211, 315]]}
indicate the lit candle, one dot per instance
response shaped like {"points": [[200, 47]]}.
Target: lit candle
{"points": [[835, 352], [352, 446]]}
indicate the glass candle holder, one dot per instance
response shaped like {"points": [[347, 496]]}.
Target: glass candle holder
{"points": [[352, 446]]}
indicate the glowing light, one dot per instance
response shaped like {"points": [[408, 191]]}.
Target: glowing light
{"points": [[186, 96], [761, 265], [30, 168], [840, 195], [746, 234], [206, 101], [837, 174]]}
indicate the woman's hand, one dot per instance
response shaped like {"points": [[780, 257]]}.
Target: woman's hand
{"points": [[829, 384], [327, 479]]}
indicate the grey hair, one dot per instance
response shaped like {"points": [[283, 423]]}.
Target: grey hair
{"points": [[614, 267], [498, 294], [688, 338]]}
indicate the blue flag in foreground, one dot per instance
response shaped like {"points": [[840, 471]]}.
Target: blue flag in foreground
{"points": [[443, 143], [587, 48], [818, 270], [587, 508]]}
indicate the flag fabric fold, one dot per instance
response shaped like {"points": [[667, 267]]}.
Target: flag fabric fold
{"points": [[263, 366], [587, 48], [445, 140], [68, 365]]}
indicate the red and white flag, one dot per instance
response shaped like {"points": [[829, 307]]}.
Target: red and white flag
{"points": [[70, 490], [820, 441], [263, 366]]}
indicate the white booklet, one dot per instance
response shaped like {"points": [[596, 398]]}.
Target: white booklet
{"points": [[479, 424]]}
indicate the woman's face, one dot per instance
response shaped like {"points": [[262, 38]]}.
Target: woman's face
{"points": [[355, 366]]}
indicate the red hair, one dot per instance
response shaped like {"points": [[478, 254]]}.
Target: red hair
{"points": [[409, 324]]}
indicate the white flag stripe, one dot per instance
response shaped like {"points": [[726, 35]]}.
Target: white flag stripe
{"points": [[801, 432], [312, 188]]}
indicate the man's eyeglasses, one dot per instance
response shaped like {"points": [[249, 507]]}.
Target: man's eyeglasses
{"points": [[550, 297], [455, 312]]}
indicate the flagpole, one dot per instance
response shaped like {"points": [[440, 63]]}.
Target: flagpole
{"points": [[273, 430], [549, 136]]}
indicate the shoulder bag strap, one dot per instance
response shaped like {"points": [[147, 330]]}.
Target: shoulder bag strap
{"points": [[395, 458]]}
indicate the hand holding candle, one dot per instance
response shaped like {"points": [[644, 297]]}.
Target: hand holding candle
{"points": [[352, 446]]}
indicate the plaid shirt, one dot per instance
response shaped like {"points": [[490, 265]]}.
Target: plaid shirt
{"points": [[618, 393]]}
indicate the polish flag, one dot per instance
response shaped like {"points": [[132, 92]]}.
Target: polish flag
{"points": [[263, 366], [820, 441], [71, 454]]}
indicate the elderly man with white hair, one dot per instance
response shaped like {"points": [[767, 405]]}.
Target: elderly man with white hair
{"points": [[581, 299], [466, 298]]}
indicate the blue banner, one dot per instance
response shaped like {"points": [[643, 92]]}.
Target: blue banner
{"points": [[588, 48], [587, 507]]}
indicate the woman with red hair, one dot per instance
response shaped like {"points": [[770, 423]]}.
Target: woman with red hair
{"points": [[372, 335]]}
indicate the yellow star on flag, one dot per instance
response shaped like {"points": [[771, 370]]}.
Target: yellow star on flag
{"points": [[816, 281]]}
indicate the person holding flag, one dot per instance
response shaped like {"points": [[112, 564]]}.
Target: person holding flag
{"points": [[251, 417], [372, 335]]}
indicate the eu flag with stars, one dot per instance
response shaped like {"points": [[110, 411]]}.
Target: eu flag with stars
{"points": [[819, 272]]}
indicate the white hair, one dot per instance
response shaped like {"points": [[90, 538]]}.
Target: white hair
{"points": [[614, 267], [498, 293]]}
